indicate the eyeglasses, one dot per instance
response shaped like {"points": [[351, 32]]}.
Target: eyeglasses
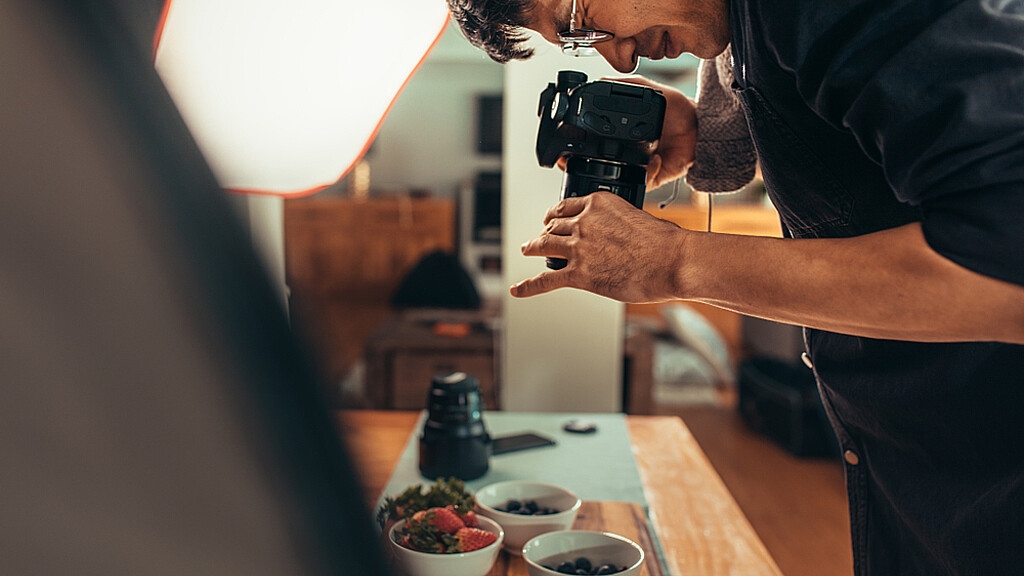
{"points": [[580, 42]]}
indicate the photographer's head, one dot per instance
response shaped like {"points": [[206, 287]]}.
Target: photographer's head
{"points": [[495, 26], [621, 31]]}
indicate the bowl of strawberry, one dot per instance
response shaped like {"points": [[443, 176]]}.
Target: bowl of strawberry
{"points": [[444, 541]]}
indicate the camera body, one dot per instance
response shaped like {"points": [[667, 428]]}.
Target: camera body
{"points": [[605, 130]]}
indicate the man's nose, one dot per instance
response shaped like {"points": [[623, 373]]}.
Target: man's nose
{"points": [[619, 55]]}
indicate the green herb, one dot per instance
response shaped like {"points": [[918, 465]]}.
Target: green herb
{"points": [[443, 492]]}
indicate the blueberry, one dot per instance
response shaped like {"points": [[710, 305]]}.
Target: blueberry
{"points": [[607, 569], [513, 505], [566, 568], [531, 506], [584, 564]]}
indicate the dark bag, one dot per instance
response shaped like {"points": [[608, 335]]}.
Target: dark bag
{"points": [[782, 402], [437, 281]]}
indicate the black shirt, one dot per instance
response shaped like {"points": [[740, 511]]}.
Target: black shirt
{"points": [[871, 115]]}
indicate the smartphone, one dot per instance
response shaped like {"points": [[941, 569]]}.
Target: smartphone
{"points": [[516, 442]]}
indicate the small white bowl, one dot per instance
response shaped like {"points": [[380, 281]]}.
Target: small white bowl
{"points": [[475, 563], [518, 528], [600, 548]]}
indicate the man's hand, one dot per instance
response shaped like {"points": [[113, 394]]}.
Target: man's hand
{"points": [[888, 284], [613, 249], [675, 150]]}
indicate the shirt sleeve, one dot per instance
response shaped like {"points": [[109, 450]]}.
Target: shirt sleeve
{"points": [[938, 102]]}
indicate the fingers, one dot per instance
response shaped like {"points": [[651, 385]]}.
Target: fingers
{"points": [[661, 171], [556, 241], [561, 226], [566, 208], [541, 283], [653, 170], [548, 245]]}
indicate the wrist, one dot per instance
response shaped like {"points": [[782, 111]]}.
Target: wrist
{"points": [[684, 273]]}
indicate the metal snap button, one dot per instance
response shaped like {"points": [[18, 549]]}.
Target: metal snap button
{"points": [[851, 458], [806, 360]]}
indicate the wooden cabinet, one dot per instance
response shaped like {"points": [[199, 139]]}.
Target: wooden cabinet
{"points": [[345, 257], [407, 350], [362, 248]]}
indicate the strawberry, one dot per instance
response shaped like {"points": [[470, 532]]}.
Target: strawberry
{"points": [[444, 519], [470, 539], [468, 518]]}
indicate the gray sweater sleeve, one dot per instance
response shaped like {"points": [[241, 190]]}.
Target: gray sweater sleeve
{"points": [[725, 160]]}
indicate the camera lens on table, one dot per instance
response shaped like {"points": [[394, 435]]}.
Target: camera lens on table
{"points": [[454, 441]]}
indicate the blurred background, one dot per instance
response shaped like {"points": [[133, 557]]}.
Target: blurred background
{"points": [[436, 179]]}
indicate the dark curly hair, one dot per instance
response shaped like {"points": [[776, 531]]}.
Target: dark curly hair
{"points": [[494, 25]]}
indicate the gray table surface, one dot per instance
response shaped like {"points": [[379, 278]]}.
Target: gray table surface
{"points": [[597, 466]]}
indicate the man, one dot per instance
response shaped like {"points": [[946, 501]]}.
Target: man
{"points": [[890, 136]]}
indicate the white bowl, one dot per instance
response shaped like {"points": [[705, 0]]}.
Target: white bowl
{"points": [[520, 529], [475, 563], [600, 548]]}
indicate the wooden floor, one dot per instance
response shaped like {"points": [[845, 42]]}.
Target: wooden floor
{"points": [[797, 506]]}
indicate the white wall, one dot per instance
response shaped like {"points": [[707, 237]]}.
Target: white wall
{"points": [[263, 217], [562, 351], [428, 139]]}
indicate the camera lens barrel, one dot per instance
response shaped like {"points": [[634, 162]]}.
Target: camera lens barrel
{"points": [[585, 176], [454, 441], [588, 175]]}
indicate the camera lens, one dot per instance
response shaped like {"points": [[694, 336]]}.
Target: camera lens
{"points": [[454, 402], [588, 175], [454, 440]]}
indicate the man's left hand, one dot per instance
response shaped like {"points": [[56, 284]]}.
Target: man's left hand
{"points": [[613, 249]]}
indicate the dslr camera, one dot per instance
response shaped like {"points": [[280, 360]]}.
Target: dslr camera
{"points": [[605, 130]]}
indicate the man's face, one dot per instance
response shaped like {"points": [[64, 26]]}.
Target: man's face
{"points": [[652, 29]]}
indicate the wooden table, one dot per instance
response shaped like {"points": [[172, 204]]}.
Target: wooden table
{"points": [[701, 528]]}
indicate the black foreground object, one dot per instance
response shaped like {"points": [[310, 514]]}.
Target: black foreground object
{"points": [[157, 414]]}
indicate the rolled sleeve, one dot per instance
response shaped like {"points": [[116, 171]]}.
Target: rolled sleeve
{"points": [[942, 112]]}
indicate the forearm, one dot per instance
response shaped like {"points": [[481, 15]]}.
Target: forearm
{"points": [[889, 284]]}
